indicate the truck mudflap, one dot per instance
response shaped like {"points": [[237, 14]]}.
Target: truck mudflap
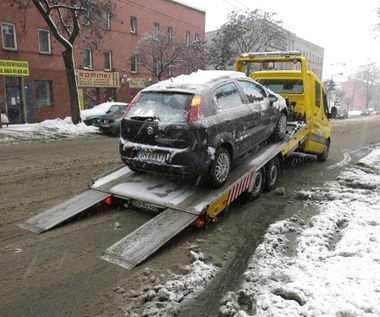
{"points": [[145, 240], [62, 212]]}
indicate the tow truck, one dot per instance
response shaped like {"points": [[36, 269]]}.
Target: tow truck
{"points": [[178, 204]]}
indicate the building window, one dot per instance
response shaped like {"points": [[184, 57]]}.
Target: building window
{"points": [[133, 23], [107, 56], [106, 20], [196, 37], [134, 64], [170, 34], [156, 27], [8, 31], [86, 17], [87, 58], [44, 45], [43, 95], [187, 38]]}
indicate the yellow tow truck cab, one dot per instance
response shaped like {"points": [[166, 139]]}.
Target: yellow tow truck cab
{"points": [[286, 73]]}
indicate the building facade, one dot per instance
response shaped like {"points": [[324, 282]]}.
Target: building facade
{"points": [[33, 84], [357, 94]]}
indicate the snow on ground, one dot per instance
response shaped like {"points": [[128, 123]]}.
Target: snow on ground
{"points": [[328, 265], [46, 130], [334, 267]]}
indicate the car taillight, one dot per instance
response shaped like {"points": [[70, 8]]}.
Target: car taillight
{"points": [[131, 104], [196, 109]]}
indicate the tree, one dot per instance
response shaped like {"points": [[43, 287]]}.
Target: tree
{"points": [[249, 31], [158, 53], [68, 20], [193, 57], [369, 73]]}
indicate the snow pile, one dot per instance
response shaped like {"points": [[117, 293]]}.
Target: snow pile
{"points": [[46, 130], [163, 295], [332, 266]]}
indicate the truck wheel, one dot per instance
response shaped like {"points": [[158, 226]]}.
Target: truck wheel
{"points": [[279, 132], [325, 154], [272, 174], [220, 168], [258, 185]]}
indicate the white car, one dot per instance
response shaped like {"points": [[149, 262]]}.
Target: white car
{"points": [[91, 116]]}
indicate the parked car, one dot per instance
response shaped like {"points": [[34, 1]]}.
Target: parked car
{"points": [[341, 113], [91, 116], [110, 122], [198, 124]]}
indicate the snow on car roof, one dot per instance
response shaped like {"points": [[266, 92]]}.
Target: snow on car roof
{"points": [[196, 79]]}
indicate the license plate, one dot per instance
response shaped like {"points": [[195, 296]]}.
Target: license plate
{"points": [[105, 125], [152, 156], [143, 205]]}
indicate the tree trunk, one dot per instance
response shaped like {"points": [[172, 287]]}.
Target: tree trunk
{"points": [[72, 84]]}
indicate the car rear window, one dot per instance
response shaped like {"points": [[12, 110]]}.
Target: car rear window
{"points": [[162, 106], [286, 86]]}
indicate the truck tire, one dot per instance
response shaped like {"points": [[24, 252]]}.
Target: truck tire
{"points": [[272, 174], [279, 132], [220, 168], [258, 185], [325, 154]]}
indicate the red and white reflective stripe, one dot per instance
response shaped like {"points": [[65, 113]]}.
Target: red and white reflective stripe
{"points": [[239, 188]]}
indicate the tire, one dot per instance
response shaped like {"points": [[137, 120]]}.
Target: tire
{"points": [[325, 154], [272, 174], [220, 168], [258, 185], [279, 132]]}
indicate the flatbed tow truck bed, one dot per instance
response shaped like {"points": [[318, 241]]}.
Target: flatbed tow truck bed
{"points": [[178, 203]]}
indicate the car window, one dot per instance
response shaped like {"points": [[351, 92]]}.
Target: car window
{"points": [[114, 108], [289, 86], [228, 96], [162, 106], [253, 91]]}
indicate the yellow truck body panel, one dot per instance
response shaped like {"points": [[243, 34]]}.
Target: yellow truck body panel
{"points": [[303, 90]]}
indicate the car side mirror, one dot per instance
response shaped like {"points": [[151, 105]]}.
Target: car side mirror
{"points": [[272, 99]]}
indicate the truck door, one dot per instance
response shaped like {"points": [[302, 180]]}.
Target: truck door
{"points": [[321, 125]]}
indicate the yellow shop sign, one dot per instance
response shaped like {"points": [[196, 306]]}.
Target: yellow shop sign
{"points": [[97, 79], [137, 82], [13, 68]]}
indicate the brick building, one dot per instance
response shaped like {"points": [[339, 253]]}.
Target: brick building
{"points": [[33, 84], [357, 94]]}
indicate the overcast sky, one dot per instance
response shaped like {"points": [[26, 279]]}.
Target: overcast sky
{"points": [[343, 28]]}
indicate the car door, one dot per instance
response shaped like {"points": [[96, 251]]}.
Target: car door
{"points": [[232, 119], [262, 111]]}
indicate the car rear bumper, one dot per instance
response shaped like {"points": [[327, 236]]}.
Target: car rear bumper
{"points": [[177, 161]]}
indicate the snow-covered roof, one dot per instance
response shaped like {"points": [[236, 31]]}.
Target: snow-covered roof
{"points": [[196, 79]]}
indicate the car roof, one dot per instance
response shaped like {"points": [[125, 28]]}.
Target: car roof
{"points": [[101, 108], [198, 80]]}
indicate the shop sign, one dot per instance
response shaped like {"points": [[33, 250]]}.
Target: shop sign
{"points": [[13, 68], [137, 82], [97, 79]]}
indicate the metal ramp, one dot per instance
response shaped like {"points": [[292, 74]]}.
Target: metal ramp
{"points": [[62, 212], [145, 240]]}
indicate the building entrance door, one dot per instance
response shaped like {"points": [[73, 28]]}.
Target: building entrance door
{"points": [[13, 96]]}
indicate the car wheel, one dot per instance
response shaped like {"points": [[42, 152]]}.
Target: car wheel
{"points": [[323, 157], [258, 185], [220, 168], [272, 174], [279, 132]]}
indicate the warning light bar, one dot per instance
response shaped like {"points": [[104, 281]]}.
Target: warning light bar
{"points": [[270, 54]]}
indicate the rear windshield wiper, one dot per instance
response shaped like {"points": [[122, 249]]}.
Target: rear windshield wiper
{"points": [[146, 118]]}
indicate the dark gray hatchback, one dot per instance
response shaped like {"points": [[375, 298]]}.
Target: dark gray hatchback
{"points": [[197, 124]]}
